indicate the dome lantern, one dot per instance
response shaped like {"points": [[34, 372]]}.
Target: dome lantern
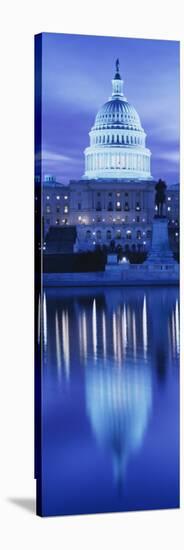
{"points": [[117, 83]]}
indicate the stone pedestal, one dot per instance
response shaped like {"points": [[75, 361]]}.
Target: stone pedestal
{"points": [[160, 251]]}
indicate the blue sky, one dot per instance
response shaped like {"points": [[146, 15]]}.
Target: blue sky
{"points": [[77, 73]]}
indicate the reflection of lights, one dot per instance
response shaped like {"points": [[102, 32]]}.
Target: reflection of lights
{"points": [[65, 339], [173, 332], [134, 334], [104, 335], [39, 323], [144, 327], [124, 329], [177, 326], [94, 327], [58, 345], [44, 320], [114, 333], [84, 334]]}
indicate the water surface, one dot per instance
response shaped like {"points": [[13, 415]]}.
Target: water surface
{"points": [[110, 400]]}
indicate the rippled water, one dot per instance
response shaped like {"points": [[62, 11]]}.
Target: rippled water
{"points": [[110, 400]]}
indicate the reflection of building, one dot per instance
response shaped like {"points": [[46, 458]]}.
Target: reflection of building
{"points": [[114, 342], [119, 407], [114, 200]]}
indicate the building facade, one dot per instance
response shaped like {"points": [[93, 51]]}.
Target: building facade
{"points": [[113, 204]]}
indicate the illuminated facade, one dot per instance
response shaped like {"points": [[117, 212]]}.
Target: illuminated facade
{"points": [[114, 201]]}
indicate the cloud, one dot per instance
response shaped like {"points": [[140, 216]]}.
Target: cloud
{"points": [[170, 156], [50, 156]]}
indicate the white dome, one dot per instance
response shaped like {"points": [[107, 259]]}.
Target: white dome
{"points": [[117, 140], [117, 113]]}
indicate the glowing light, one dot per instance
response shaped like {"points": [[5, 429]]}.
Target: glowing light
{"points": [[48, 197], [144, 242], [93, 232], [66, 197], [58, 197], [169, 198], [79, 218], [168, 208]]}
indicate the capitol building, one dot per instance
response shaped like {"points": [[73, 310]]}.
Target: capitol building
{"points": [[114, 201]]}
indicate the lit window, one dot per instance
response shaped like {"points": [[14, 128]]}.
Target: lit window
{"points": [[118, 204], [58, 197], [48, 197], [168, 208], [66, 209], [48, 209], [118, 194], [169, 198], [66, 197], [93, 232], [79, 218]]}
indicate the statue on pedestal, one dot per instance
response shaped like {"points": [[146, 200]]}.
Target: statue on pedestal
{"points": [[160, 197]]}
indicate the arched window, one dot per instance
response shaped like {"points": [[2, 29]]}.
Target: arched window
{"points": [[107, 139], [98, 235], [88, 235], [103, 139], [112, 139], [118, 234], [110, 206], [128, 234], [138, 234], [122, 139], [118, 139], [108, 235]]}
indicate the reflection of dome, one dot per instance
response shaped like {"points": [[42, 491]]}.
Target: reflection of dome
{"points": [[118, 404], [117, 140]]}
